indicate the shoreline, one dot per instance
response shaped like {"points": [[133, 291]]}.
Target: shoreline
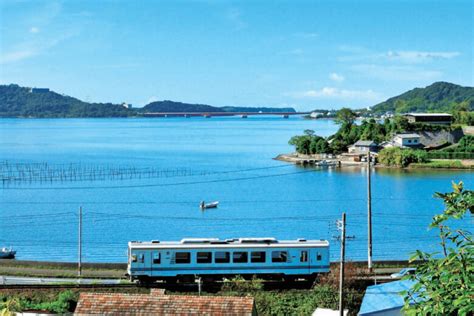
{"points": [[299, 159]]}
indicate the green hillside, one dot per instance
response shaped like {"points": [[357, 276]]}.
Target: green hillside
{"points": [[172, 106], [438, 97], [16, 101]]}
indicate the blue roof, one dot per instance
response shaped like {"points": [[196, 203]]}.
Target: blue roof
{"points": [[384, 296]]}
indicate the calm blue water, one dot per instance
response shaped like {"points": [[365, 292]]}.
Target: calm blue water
{"points": [[225, 159]]}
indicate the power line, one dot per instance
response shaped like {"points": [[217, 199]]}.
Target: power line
{"points": [[159, 184]]}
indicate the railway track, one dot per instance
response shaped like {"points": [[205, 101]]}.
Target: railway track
{"points": [[185, 287]]}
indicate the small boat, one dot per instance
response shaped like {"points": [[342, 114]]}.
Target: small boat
{"points": [[326, 163], [203, 205], [7, 253]]}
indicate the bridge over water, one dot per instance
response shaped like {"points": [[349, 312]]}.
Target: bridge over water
{"points": [[211, 114]]}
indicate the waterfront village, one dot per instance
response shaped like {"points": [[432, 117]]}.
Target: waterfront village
{"points": [[416, 140]]}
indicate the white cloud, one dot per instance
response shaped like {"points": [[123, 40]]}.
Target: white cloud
{"points": [[15, 56], [419, 56], [307, 35], [34, 30], [397, 72], [355, 53], [336, 77], [335, 93]]}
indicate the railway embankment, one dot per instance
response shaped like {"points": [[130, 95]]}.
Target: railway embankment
{"points": [[61, 269]]}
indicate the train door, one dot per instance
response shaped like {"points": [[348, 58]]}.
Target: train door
{"points": [[305, 261], [139, 258], [155, 261]]}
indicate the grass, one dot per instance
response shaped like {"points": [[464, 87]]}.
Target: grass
{"points": [[442, 164]]}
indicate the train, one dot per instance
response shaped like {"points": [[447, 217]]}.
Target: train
{"points": [[212, 258]]}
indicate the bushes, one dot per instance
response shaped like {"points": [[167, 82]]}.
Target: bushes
{"points": [[449, 155], [449, 164], [401, 157], [62, 303]]}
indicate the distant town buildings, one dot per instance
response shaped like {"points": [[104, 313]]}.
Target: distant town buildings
{"points": [[316, 114], [429, 118]]}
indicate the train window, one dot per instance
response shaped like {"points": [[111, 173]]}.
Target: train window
{"points": [[318, 256], [141, 258], [222, 257], [240, 257], [134, 258], [204, 257], [304, 256], [156, 258], [257, 256], [279, 256], [183, 257]]}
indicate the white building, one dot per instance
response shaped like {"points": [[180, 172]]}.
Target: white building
{"points": [[406, 140]]}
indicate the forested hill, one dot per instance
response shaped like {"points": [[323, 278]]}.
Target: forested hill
{"points": [[16, 101], [172, 106], [438, 97]]}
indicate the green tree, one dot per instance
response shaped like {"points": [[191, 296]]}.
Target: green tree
{"points": [[445, 285], [345, 116]]}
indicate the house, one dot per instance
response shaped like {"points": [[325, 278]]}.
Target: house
{"points": [[406, 140], [429, 118], [157, 303], [363, 147], [384, 299]]}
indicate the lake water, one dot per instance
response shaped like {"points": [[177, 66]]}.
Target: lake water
{"points": [[178, 162]]}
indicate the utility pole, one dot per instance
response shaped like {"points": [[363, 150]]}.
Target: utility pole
{"points": [[342, 227], [369, 215], [79, 257]]}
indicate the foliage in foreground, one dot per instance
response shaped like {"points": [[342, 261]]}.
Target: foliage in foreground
{"points": [[62, 303], [445, 281]]}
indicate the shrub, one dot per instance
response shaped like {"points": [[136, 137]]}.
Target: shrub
{"points": [[395, 156], [241, 286]]}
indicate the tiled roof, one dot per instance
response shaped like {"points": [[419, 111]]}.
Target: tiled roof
{"points": [[157, 303]]}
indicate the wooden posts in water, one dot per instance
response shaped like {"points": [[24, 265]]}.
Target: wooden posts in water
{"points": [[79, 257], [341, 265], [369, 215]]}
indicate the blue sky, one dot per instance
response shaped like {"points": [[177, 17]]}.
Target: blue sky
{"points": [[306, 54]]}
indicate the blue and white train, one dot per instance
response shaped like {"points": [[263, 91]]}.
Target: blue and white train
{"points": [[214, 258]]}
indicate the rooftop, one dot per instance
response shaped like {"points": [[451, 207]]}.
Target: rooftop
{"points": [[365, 143], [157, 303], [407, 135], [428, 114], [384, 297], [268, 241]]}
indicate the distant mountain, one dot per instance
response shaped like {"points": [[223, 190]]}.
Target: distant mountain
{"points": [[438, 97], [16, 101], [172, 106]]}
